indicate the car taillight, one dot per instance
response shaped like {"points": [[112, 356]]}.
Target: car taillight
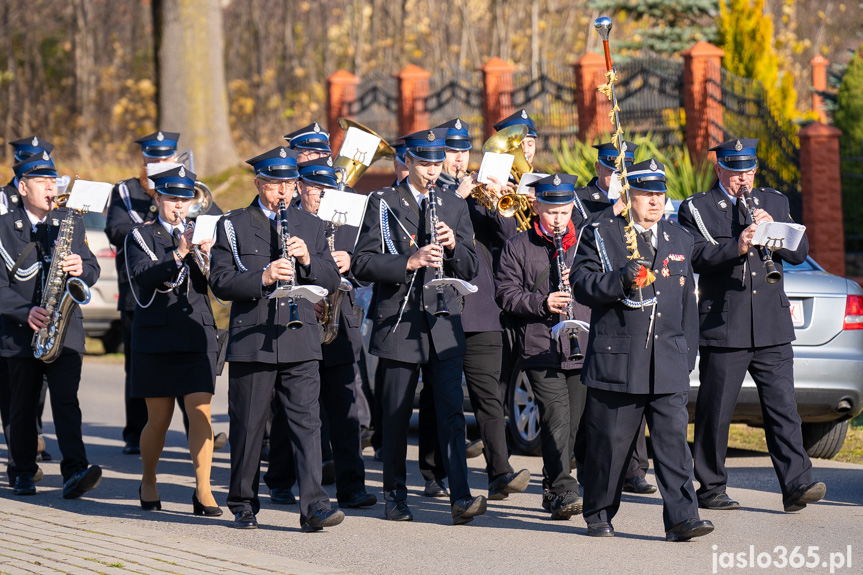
{"points": [[853, 312], [106, 253]]}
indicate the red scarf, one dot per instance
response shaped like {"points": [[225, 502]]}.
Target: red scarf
{"points": [[569, 238]]}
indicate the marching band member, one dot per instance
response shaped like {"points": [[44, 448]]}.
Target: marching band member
{"points": [[310, 143], [745, 326], [528, 287], [412, 330], [27, 238], [340, 422], [642, 348], [251, 255], [174, 344], [131, 205]]}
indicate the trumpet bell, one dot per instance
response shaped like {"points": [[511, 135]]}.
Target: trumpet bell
{"points": [[354, 168], [202, 202], [508, 205]]}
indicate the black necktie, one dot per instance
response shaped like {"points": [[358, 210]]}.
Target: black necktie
{"points": [[39, 233], [647, 236], [176, 236]]}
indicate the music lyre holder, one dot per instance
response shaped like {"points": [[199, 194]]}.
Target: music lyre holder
{"points": [[310, 292]]}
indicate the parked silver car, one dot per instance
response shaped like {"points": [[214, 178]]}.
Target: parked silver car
{"points": [[827, 312], [101, 318]]}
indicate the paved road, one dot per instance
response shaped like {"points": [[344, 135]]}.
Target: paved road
{"points": [[107, 532]]}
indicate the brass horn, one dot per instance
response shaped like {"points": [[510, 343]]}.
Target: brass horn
{"points": [[508, 141], [203, 196], [354, 168]]}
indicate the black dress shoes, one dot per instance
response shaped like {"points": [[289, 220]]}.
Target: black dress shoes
{"points": [[24, 485], [82, 482], [719, 501], [132, 448], [466, 508], [566, 505], [282, 496], [686, 530], [322, 518], [199, 508], [435, 488], [601, 529], [245, 520], [359, 498], [220, 440], [508, 483], [473, 448], [804, 494], [328, 472], [149, 505], [398, 511], [638, 485]]}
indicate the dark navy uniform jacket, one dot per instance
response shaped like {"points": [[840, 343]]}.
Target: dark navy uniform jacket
{"points": [[134, 199], [737, 308], [591, 204], [9, 197], [178, 319], [374, 262], [18, 295], [620, 357], [524, 260], [258, 328], [348, 343]]}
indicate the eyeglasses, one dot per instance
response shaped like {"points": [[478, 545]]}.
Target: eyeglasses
{"points": [[270, 185]]}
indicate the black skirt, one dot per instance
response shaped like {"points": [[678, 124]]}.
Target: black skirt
{"points": [[172, 374]]}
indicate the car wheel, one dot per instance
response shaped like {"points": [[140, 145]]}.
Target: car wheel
{"points": [[112, 341], [523, 421], [824, 439]]}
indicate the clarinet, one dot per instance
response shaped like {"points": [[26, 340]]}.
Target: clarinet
{"points": [[773, 274], [441, 310], [574, 349], [294, 321]]}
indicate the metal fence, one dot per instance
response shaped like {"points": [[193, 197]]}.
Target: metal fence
{"points": [[457, 94], [376, 105], [852, 193], [650, 97], [747, 114], [550, 100]]}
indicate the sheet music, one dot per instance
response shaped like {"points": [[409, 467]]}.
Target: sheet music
{"points": [[92, 196], [205, 228], [360, 146], [343, 208], [158, 168], [778, 235], [527, 179], [312, 293], [497, 165]]}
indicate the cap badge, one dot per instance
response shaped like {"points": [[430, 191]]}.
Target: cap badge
{"points": [[623, 147], [160, 136], [19, 225], [45, 156], [556, 180], [317, 128], [182, 172], [430, 136], [458, 124], [330, 161], [524, 114], [738, 146], [653, 165], [722, 204], [282, 153], [35, 141]]}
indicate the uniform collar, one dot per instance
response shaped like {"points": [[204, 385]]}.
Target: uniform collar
{"points": [[33, 219], [730, 196], [169, 228], [418, 196], [269, 213], [654, 228]]}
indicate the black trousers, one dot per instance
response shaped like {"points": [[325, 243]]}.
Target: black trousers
{"points": [[560, 398], [638, 464], [613, 421], [26, 376], [250, 392], [722, 371], [400, 379], [338, 405], [430, 457], [136, 407]]}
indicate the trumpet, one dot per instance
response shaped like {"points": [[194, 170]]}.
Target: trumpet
{"points": [[508, 141], [202, 259], [563, 286], [294, 321]]}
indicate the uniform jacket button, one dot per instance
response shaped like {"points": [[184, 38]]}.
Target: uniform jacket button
{"points": [[755, 274], [754, 292], [659, 314]]}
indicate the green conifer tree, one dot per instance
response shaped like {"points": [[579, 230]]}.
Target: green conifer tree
{"points": [[849, 100]]}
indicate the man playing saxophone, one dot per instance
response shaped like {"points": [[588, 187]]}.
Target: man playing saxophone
{"points": [[27, 243]]}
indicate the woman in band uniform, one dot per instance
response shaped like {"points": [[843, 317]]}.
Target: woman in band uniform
{"points": [[174, 344]]}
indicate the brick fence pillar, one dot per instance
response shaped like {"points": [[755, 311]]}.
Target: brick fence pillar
{"points": [[341, 93], [413, 91], [496, 94], [819, 83], [702, 93], [592, 107], [821, 187]]}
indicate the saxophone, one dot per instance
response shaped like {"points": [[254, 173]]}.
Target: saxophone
{"points": [[333, 302], [61, 293]]}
